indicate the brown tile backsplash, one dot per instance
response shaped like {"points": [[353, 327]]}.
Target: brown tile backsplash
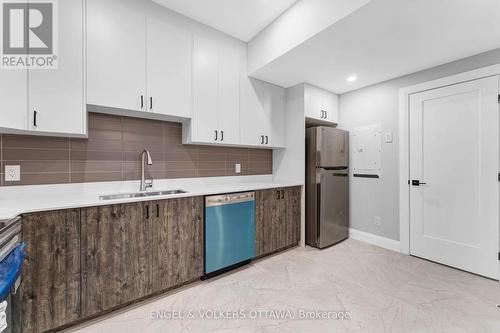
{"points": [[112, 153]]}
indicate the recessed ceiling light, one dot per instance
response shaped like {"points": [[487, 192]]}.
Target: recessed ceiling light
{"points": [[352, 78]]}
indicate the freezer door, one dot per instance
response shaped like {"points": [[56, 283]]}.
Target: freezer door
{"points": [[333, 199], [332, 147]]}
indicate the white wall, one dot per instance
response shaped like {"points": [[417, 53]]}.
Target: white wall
{"points": [[296, 25], [379, 104]]}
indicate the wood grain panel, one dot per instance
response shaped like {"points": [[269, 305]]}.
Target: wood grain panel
{"points": [[50, 289], [177, 242], [277, 219], [116, 256]]}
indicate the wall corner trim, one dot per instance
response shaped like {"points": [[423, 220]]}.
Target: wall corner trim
{"points": [[386, 243]]}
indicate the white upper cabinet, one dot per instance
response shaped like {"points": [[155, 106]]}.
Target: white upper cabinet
{"points": [[229, 95], [216, 94], [116, 55], [262, 118], [57, 97], [169, 70], [50, 101], [14, 100], [321, 105]]}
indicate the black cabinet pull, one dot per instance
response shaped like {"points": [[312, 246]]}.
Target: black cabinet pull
{"points": [[262, 139], [142, 101], [278, 194], [35, 118], [216, 135], [282, 194], [147, 211], [417, 183], [267, 140], [326, 114], [221, 135], [157, 210], [151, 103]]}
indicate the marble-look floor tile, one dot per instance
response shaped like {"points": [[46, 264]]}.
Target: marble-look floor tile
{"points": [[383, 291]]}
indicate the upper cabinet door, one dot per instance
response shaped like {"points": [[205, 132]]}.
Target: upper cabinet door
{"points": [[116, 55], [14, 99], [276, 114], [206, 92], [58, 95], [169, 70], [321, 104], [229, 95], [262, 118]]}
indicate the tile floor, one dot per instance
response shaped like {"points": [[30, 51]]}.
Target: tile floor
{"points": [[383, 291]]}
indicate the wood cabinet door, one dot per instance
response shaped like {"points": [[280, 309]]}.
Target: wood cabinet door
{"points": [[277, 219], [49, 293], [177, 242], [293, 197], [269, 208], [116, 256]]}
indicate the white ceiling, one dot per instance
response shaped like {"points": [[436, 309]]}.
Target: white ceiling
{"points": [[242, 19], [387, 39]]}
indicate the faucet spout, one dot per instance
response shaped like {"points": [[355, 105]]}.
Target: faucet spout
{"points": [[145, 159]]}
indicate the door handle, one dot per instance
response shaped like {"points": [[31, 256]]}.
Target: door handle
{"points": [[267, 140], [216, 135], [326, 114], [147, 211], [35, 118], [282, 194], [417, 183], [151, 103], [157, 210], [322, 114], [262, 139], [278, 196], [142, 101], [221, 135]]}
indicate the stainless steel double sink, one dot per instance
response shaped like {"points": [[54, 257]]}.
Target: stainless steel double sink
{"points": [[140, 195]]}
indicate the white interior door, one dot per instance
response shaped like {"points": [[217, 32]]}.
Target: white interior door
{"points": [[454, 150]]}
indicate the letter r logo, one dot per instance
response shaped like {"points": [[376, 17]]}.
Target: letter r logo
{"points": [[27, 27]]}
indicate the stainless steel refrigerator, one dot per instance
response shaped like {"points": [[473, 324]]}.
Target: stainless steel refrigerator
{"points": [[327, 186]]}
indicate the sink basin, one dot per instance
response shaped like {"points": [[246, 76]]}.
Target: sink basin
{"points": [[140, 195]]}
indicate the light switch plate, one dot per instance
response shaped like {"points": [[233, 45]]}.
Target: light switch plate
{"points": [[12, 173], [388, 137], [238, 168]]}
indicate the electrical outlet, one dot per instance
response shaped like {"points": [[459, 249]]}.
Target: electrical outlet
{"points": [[238, 168], [377, 220], [12, 173]]}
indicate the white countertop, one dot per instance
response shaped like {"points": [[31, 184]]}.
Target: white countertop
{"points": [[19, 200]]}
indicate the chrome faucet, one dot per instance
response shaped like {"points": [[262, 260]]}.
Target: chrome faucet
{"points": [[145, 184]]}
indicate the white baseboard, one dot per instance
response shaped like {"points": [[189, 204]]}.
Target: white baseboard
{"points": [[365, 237]]}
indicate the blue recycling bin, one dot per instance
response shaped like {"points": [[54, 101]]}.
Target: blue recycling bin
{"points": [[10, 269]]}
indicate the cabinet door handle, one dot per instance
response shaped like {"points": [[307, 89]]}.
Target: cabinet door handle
{"points": [[147, 211], [221, 135], [278, 194], [35, 118], [267, 140], [326, 114], [142, 101], [262, 139], [157, 210], [282, 194], [216, 135], [151, 103]]}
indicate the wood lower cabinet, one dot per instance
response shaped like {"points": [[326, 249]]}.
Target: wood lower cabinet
{"points": [[116, 256], [277, 219], [177, 242], [49, 294]]}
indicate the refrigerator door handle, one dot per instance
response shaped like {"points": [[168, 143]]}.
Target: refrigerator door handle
{"points": [[318, 212]]}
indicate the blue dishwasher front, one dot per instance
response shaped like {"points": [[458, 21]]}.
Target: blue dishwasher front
{"points": [[229, 231]]}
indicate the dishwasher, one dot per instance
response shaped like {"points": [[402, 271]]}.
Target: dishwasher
{"points": [[229, 232]]}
